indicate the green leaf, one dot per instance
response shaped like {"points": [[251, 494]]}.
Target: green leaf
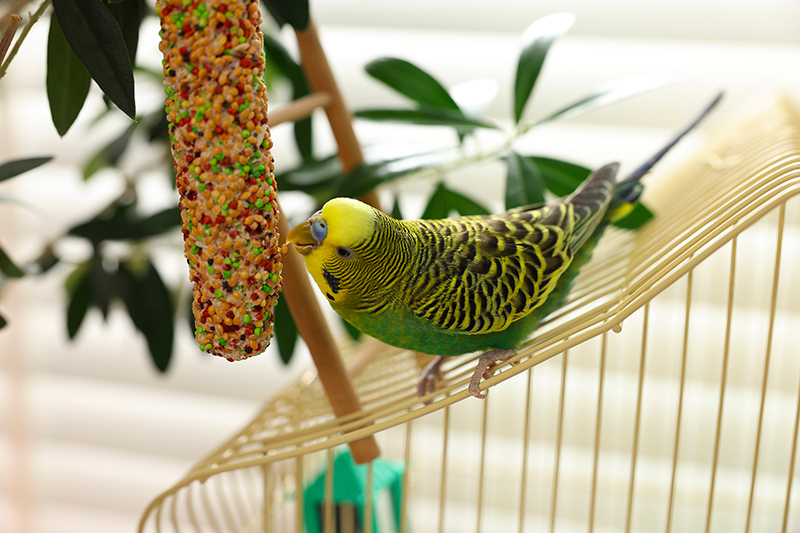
{"points": [[396, 214], [637, 218], [537, 39], [413, 82], [94, 36], [67, 80], [121, 224], [425, 116], [7, 266], [150, 308], [80, 297], [3, 322], [606, 95], [312, 175], [465, 206], [190, 319], [129, 15], [15, 168], [367, 176], [279, 57], [524, 183], [303, 137], [110, 154], [292, 12], [560, 177], [102, 284], [437, 207], [160, 222], [157, 127], [285, 330], [46, 260]]}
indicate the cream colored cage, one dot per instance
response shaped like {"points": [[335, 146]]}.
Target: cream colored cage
{"points": [[664, 397]]}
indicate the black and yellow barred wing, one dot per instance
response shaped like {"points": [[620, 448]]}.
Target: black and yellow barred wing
{"points": [[479, 274]]}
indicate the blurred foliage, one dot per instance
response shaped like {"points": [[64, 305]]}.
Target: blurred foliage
{"points": [[98, 41]]}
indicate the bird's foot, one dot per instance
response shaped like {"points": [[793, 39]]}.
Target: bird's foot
{"points": [[482, 371], [427, 381]]}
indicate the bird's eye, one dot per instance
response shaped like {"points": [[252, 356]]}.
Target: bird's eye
{"points": [[345, 253]]}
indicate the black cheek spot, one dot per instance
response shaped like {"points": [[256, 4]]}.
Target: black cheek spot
{"points": [[329, 296], [332, 280]]}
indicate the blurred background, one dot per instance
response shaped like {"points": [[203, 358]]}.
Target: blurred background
{"points": [[90, 430]]}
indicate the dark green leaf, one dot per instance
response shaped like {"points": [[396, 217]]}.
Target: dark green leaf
{"points": [[121, 224], [411, 81], [352, 331], [96, 39], [103, 285], [279, 57], [3, 322], [190, 319], [424, 116], [80, 297], [46, 260], [524, 183], [8, 267], [396, 214], [67, 80], [150, 308], [310, 176], [437, 207], [367, 176], [110, 154], [637, 218], [158, 127], [292, 12], [303, 136], [537, 39], [607, 95], [560, 177], [15, 168], [285, 330], [465, 206], [161, 222], [129, 15]]}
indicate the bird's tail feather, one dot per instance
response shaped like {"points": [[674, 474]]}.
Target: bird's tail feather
{"points": [[628, 190]]}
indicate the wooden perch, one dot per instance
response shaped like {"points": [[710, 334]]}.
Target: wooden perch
{"points": [[311, 323], [299, 293], [321, 79], [299, 109]]}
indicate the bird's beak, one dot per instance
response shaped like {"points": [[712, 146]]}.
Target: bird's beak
{"points": [[302, 238]]}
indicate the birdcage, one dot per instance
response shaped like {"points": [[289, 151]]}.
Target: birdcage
{"points": [[665, 396]]}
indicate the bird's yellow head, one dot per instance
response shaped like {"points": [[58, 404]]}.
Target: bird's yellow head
{"points": [[342, 248]]}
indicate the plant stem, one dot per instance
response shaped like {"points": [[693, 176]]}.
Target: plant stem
{"points": [[8, 34], [33, 18]]}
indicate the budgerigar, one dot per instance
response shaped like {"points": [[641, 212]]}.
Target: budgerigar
{"points": [[458, 285]]}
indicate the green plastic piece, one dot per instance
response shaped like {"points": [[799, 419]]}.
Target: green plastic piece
{"points": [[350, 487]]}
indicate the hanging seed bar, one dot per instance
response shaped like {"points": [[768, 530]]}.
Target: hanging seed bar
{"points": [[217, 109]]}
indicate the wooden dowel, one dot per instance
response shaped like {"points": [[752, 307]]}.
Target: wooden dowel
{"points": [[312, 326], [299, 109], [8, 35], [321, 79]]}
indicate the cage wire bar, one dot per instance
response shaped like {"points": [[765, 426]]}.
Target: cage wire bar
{"points": [[254, 481]]}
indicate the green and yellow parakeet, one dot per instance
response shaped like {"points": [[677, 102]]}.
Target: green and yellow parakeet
{"points": [[458, 285]]}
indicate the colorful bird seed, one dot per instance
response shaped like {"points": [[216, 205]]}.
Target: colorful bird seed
{"points": [[217, 108]]}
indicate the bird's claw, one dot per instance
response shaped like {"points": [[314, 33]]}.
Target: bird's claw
{"points": [[486, 368]]}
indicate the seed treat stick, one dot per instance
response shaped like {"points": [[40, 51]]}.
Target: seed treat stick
{"points": [[217, 109]]}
